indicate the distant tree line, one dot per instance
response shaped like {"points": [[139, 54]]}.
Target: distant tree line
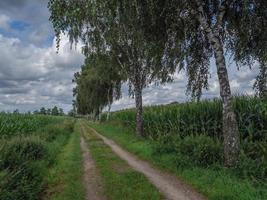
{"points": [[55, 111]]}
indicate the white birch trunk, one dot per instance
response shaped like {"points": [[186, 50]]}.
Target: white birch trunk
{"points": [[230, 127]]}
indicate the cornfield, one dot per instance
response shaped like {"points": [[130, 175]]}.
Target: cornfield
{"points": [[15, 124], [197, 118]]}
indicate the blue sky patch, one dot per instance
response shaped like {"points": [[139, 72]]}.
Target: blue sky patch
{"points": [[19, 25]]}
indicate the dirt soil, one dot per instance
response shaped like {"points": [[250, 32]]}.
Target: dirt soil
{"points": [[169, 185], [94, 190]]}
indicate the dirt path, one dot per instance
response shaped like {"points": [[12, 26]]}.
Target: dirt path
{"points": [[167, 184], [91, 177]]}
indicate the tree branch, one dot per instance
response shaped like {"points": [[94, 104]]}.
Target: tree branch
{"points": [[221, 13]]}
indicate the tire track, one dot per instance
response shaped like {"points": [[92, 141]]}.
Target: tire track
{"points": [[167, 184]]}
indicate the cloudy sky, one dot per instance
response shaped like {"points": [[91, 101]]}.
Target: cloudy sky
{"points": [[33, 75]]}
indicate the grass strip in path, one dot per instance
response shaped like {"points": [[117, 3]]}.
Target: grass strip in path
{"points": [[216, 184], [65, 178], [92, 179], [120, 182]]}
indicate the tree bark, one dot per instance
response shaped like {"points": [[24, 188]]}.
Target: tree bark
{"points": [[109, 104], [109, 107], [139, 111], [99, 114], [230, 127], [261, 81]]}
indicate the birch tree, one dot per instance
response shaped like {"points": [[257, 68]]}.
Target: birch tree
{"points": [[97, 85], [251, 46], [202, 29], [116, 28]]}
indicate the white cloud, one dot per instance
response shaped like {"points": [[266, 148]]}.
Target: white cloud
{"points": [[31, 77]]}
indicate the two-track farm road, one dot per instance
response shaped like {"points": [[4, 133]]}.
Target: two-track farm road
{"points": [[169, 185]]}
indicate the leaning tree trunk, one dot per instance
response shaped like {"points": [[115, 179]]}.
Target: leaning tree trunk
{"points": [[139, 111], [230, 127]]}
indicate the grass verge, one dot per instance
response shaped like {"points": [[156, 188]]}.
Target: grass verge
{"points": [[216, 183], [120, 181], [65, 177]]}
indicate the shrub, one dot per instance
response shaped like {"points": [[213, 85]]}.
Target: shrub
{"points": [[20, 150], [22, 162], [253, 161], [201, 150], [198, 150], [52, 131], [26, 182], [165, 143]]}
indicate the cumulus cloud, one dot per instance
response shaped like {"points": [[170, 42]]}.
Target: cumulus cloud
{"points": [[32, 77]]}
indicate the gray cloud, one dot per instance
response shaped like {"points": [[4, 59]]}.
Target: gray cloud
{"points": [[39, 36], [4, 22], [9, 4], [28, 20], [32, 77]]}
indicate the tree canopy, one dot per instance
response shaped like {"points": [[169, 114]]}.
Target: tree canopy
{"points": [[116, 28], [98, 84]]}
